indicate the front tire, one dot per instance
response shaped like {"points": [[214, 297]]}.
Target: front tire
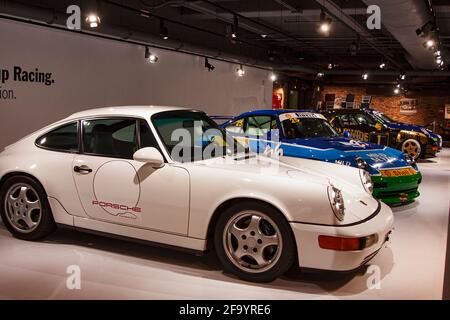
{"points": [[254, 242], [25, 210], [412, 147]]}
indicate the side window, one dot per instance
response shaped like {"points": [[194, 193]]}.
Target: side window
{"points": [[347, 120], [64, 138], [147, 138], [236, 126], [115, 138], [364, 120], [260, 125]]}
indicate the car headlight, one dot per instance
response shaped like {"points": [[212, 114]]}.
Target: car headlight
{"points": [[366, 180], [410, 161], [336, 202], [361, 163]]}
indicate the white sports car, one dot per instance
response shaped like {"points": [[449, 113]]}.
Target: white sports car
{"points": [[131, 172]]}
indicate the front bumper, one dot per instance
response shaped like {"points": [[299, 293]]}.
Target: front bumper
{"points": [[396, 190], [311, 256]]}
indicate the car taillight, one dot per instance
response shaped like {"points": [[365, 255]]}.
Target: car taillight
{"points": [[347, 244]]}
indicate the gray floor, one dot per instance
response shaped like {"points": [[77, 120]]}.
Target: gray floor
{"points": [[412, 266]]}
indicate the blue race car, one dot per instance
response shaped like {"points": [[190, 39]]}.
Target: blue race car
{"points": [[306, 134]]}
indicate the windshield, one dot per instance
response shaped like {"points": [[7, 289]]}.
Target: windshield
{"points": [[296, 126], [193, 136], [383, 117]]}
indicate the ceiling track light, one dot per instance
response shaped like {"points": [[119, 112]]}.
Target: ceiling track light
{"points": [[396, 90], [325, 23], [93, 18], [208, 65], [430, 44], [320, 74], [365, 76], [240, 71], [150, 57], [273, 77], [163, 31], [234, 29], [402, 76], [383, 65]]}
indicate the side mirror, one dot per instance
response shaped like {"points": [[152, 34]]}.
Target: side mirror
{"points": [[151, 156], [347, 134]]}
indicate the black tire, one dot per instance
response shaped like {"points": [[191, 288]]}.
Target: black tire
{"points": [[288, 253], [46, 224]]}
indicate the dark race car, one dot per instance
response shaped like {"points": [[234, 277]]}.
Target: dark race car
{"points": [[372, 126]]}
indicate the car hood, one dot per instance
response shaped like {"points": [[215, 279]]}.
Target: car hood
{"points": [[345, 151], [286, 181]]}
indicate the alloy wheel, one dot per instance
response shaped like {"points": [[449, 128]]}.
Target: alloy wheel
{"points": [[252, 241], [23, 208]]}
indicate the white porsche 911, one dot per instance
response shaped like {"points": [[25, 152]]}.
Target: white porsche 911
{"points": [[131, 172]]}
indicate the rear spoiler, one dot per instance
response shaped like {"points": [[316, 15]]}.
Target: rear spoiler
{"points": [[221, 119]]}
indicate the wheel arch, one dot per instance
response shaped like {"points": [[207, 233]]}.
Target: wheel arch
{"points": [[21, 173]]}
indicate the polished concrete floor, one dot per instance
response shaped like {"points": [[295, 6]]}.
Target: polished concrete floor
{"points": [[412, 266]]}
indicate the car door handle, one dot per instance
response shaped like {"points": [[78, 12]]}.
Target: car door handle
{"points": [[82, 169]]}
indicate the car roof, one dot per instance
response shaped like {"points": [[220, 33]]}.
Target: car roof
{"points": [[345, 110], [273, 112], [133, 111]]}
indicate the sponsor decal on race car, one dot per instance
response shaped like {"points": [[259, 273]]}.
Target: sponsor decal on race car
{"points": [[398, 172], [357, 134], [294, 116]]}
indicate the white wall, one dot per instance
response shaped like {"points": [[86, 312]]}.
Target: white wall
{"points": [[91, 72]]}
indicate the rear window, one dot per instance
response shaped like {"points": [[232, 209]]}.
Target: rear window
{"points": [[64, 138]]}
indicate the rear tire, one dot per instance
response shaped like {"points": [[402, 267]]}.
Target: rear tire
{"points": [[25, 210], [254, 242]]}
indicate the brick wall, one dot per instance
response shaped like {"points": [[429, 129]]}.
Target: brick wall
{"points": [[430, 108]]}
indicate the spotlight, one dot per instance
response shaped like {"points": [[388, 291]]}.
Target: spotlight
{"points": [[398, 85], [150, 57], [437, 53], [382, 65], [320, 74], [429, 44], [325, 23], [402, 76], [330, 66], [240, 71], [208, 65], [163, 31], [93, 20], [273, 77], [438, 60], [234, 33], [365, 76], [264, 36], [396, 90]]}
